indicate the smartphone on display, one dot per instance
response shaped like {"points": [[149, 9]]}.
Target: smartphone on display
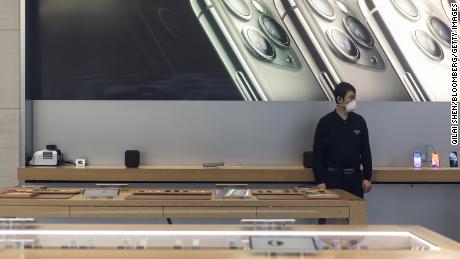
{"points": [[435, 160], [417, 159], [258, 51], [416, 35], [453, 159], [335, 34]]}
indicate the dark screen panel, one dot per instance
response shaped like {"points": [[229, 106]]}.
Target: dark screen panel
{"points": [[122, 50]]}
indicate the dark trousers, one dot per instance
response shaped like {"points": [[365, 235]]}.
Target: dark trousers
{"points": [[348, 180], [344, 180]]}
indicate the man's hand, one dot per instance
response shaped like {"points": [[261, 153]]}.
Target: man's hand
{"points": [[321, 186], [367, 185]]}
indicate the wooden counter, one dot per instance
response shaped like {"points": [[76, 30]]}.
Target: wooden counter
{"points": [[347, 206], [449, 249], [247, 174]]}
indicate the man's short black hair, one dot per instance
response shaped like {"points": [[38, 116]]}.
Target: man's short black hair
{"points": [[342, 89]]}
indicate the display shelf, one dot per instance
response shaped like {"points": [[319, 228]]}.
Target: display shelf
{"points": [[249, 174]]}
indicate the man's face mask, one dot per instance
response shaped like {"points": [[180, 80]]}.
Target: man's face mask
{"points": [[351, 106]]}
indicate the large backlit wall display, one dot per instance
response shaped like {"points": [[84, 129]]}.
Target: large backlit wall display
{"points": [[255, 50]]}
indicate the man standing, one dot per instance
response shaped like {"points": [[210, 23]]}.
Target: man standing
{"points": [[341, 146]]}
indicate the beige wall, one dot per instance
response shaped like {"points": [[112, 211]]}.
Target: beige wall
{"points": [[9, 91]]}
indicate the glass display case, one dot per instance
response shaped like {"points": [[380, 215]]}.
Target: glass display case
{"points": [[28, 240], [263, 239]]}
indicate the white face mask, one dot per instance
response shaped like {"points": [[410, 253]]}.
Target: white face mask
{"points": [[351, 106]]}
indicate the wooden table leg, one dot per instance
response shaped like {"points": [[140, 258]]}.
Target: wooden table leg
{"points": [[358, 213]]}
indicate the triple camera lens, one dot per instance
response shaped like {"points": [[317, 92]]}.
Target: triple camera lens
{"points": [[255, 39], [407, 8], [440, 30], [358, 31], [239, 8], [428, 45], [259, 43], [343, 44], [323, 8], [340, 41], [274, 30]]}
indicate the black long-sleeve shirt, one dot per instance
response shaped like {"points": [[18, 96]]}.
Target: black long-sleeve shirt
{"points": [[341, 143]]}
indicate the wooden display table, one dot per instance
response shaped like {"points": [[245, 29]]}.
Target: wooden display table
{"points": [[448, 249], [247, 174], [347, 206]]}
